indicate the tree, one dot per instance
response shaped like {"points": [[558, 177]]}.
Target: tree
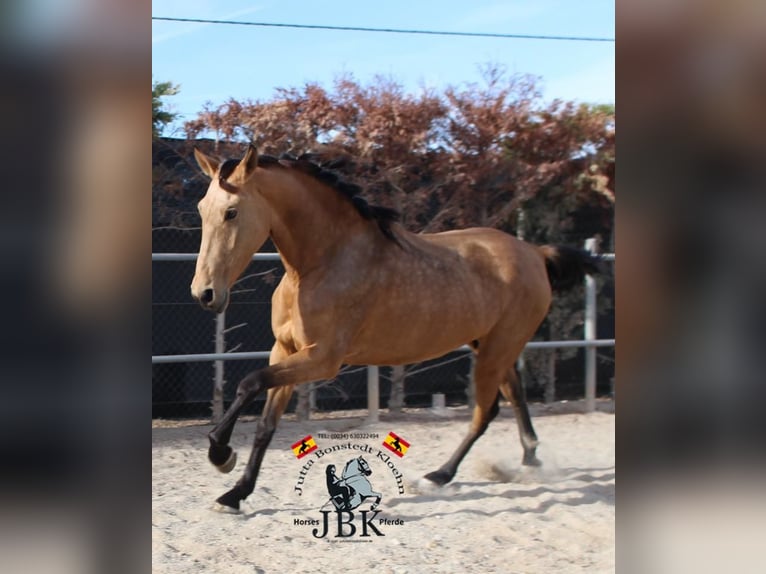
{"points": [[160, 115]]}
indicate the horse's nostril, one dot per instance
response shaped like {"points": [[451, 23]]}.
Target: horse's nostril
{"points": [[207, 296]]}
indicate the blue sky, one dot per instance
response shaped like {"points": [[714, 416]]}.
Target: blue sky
{"points": [[215, 62]]}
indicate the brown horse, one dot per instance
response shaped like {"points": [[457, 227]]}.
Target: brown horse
{"points": [[359, 289]]}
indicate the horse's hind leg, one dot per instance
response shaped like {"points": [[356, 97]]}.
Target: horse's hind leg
{"points": [[487, 379], [518, 398], [267, 424]]}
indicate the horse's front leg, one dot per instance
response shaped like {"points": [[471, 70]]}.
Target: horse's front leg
{"points": [[264, 431], [279, 378], [378, 496], [220, 453]]}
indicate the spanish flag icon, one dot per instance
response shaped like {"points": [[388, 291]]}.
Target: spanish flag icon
{"points": [[304, 446], [396, 444]]}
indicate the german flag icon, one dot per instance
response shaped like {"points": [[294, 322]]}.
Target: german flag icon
{"points": [[396, 444], [304, 446]]}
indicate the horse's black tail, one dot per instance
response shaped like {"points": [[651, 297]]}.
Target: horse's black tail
{"points": [[567, 266]]}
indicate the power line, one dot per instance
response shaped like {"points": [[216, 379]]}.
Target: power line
{"points": [[389, 30]]}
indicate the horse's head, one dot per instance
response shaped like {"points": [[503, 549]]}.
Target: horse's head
{"points": [[236, 221], [364, 466]]}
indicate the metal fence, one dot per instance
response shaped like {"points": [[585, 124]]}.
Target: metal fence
{"points": [[198, 358]]}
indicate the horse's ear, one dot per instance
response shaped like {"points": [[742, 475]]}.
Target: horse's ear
{"points": [[248, 163], [207, 164]]}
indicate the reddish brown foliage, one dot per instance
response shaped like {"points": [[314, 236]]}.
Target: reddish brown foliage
{"points": [[469, 156]]}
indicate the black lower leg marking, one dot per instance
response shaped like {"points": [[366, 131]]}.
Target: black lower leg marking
{"points": [[440, 477], [447, 472], [527, 433], [245, 486], [530, 458], [231, 499], [220, 453]]}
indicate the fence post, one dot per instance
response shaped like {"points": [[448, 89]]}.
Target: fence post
{"points": [[220, 347], [303, 406], [396, 396], [471, 389], [373, 394], [590, 334], [312, 398]]}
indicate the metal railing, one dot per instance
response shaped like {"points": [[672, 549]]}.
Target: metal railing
{"points": [[589, 341]]}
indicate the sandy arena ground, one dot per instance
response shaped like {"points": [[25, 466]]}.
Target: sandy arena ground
{"points": [[494, 517]]}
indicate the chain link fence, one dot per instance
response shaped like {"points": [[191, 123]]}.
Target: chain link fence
{"points": [[186, 389]]}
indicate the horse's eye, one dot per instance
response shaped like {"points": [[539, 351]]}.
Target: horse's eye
{"points": [[230, 214]]}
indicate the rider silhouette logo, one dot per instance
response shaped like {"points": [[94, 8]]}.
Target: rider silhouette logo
{"points": [[349, 490]]}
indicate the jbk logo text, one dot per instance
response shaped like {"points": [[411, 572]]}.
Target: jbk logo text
{"points": [[342, 525]]}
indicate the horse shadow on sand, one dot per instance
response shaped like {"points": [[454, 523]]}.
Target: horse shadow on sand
{"points": [[597, 487]]}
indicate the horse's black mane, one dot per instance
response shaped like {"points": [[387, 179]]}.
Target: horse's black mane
{"points": [[307, 163]]}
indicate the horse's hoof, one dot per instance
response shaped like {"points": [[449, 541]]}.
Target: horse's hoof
{"points": [[531, 460], [223, 509], [229, 465], [439, 477], [229, 502], [222, 457]]}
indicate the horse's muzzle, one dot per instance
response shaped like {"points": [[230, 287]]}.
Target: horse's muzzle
{"points": [[212, 301]]}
